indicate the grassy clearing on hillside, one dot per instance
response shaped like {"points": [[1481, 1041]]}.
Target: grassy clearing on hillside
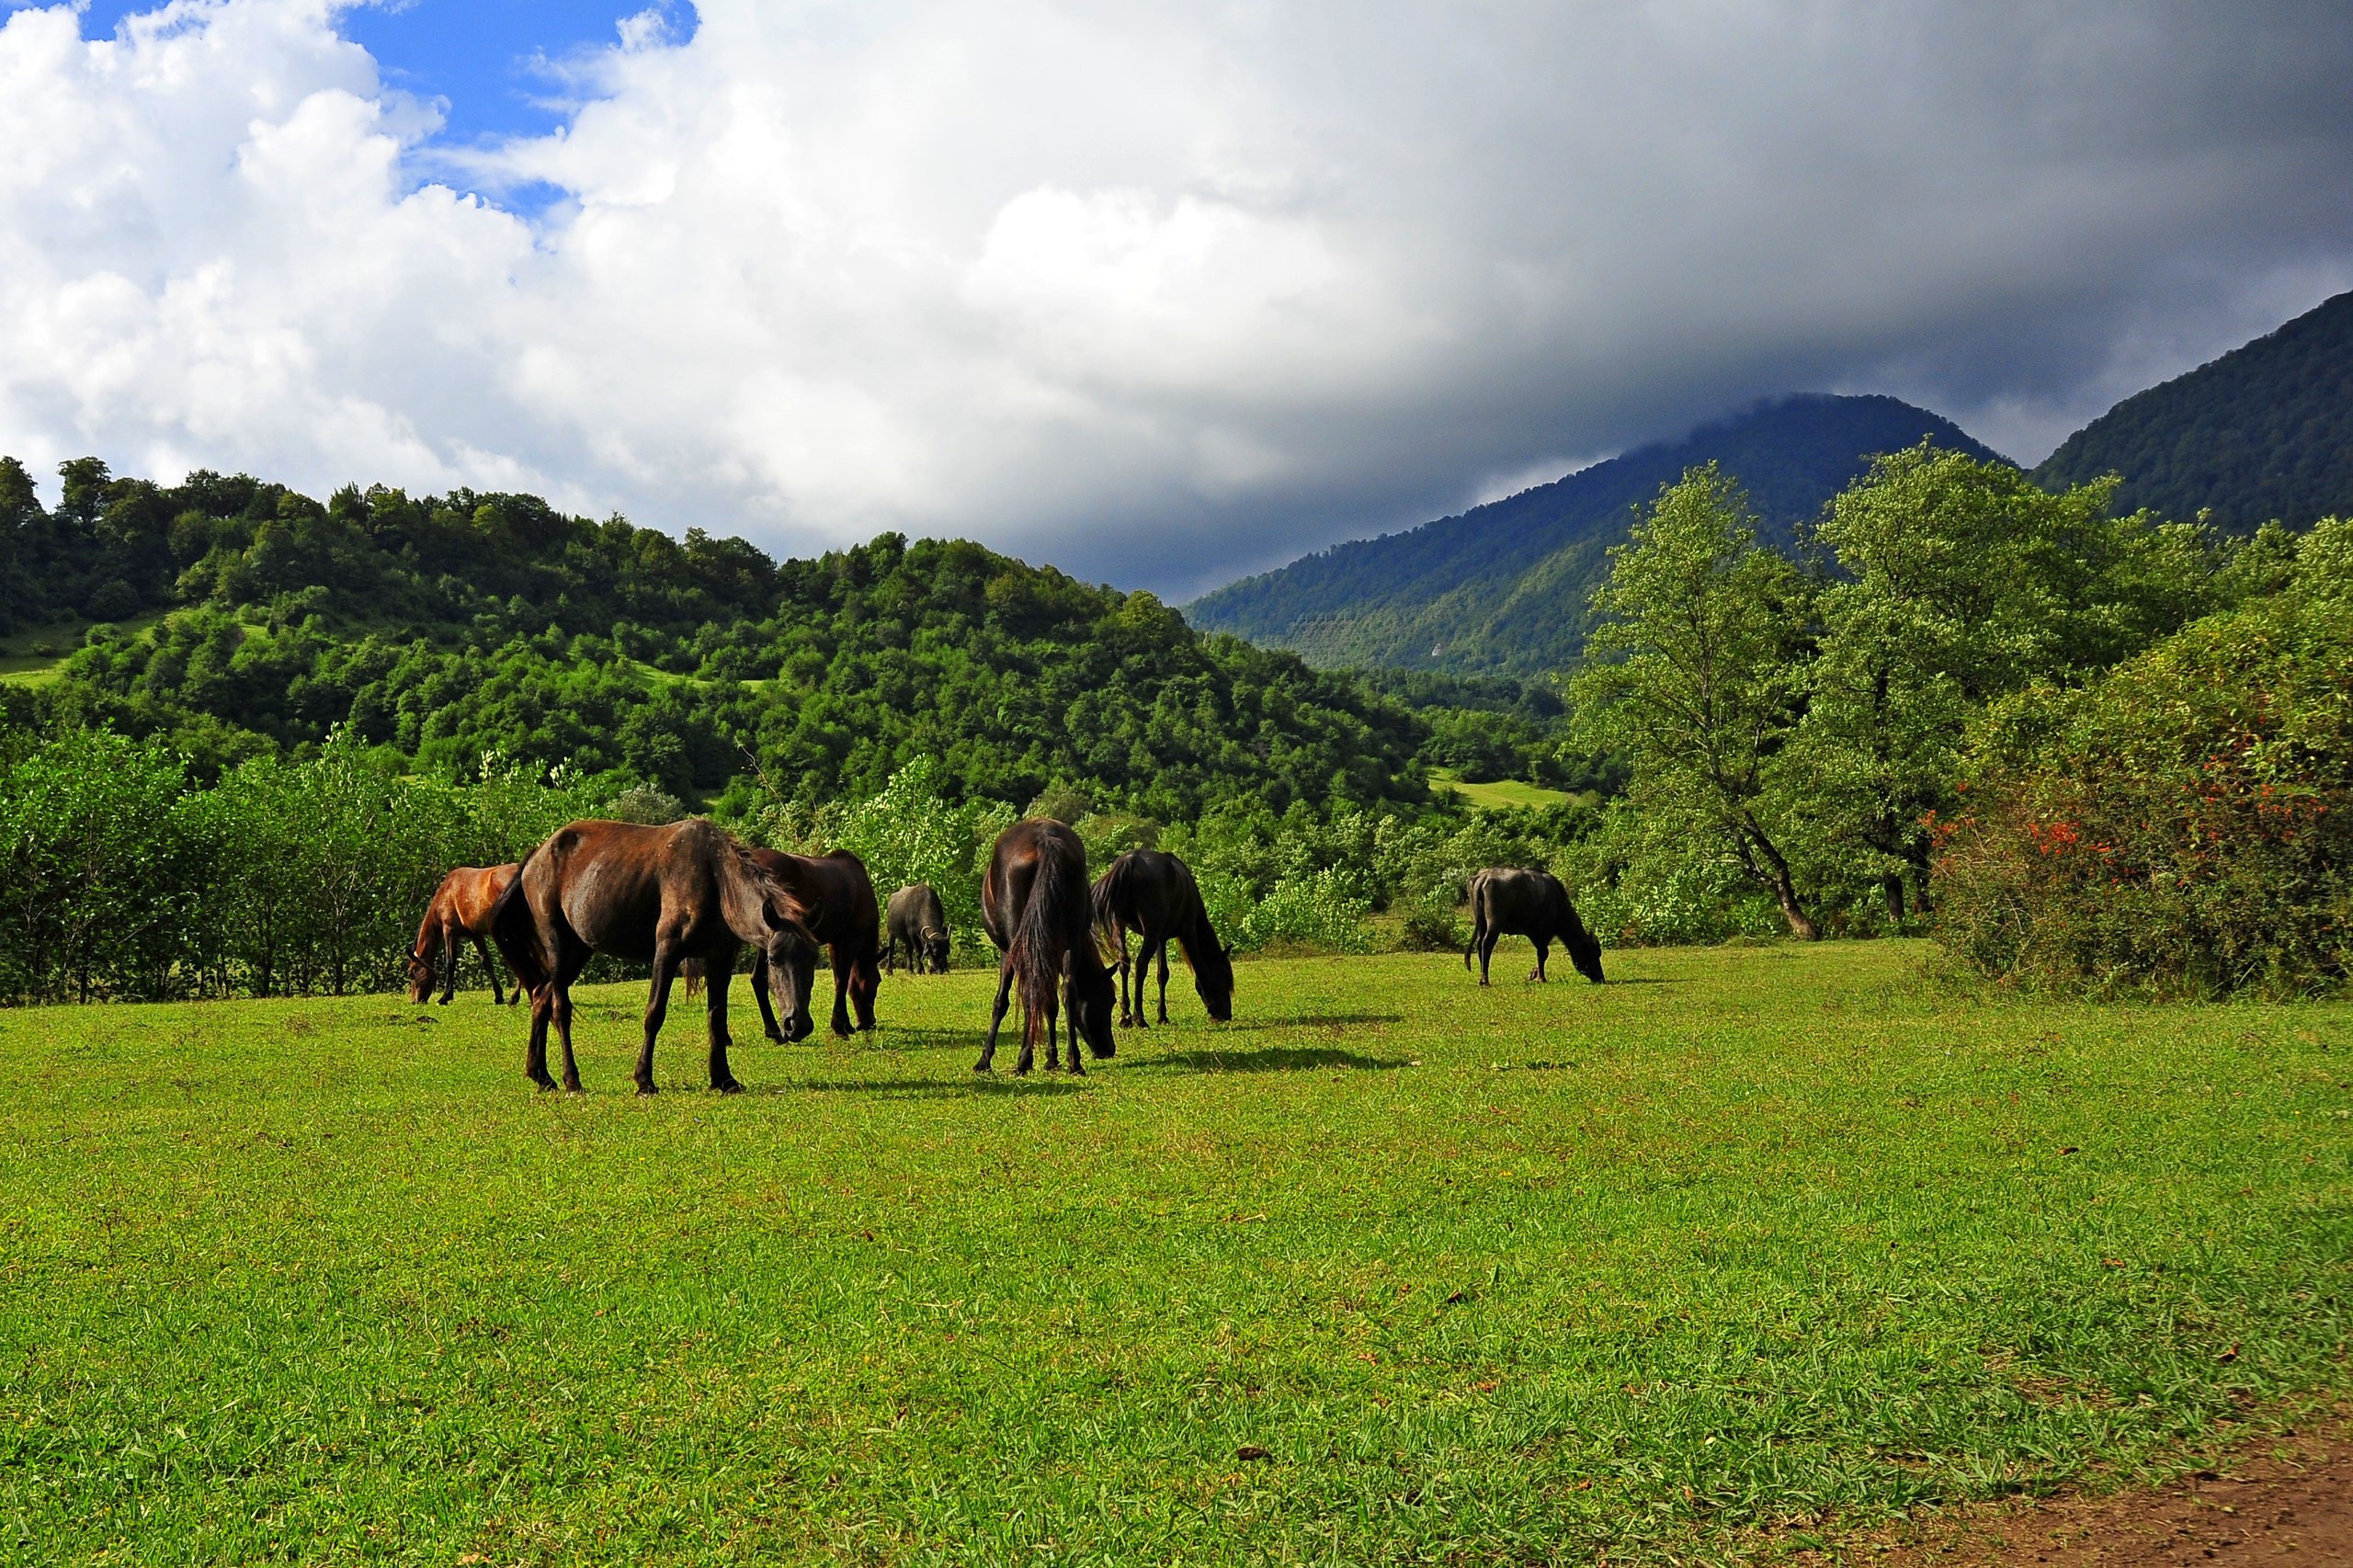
{"points": [[1503, 794], [1510, 1274]]}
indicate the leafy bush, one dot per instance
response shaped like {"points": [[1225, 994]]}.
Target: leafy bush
{"points": [[905, 833], [1315, 912], [2183, 826], [120, 882]]}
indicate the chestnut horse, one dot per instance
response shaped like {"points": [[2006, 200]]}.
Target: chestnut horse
{"points": [[1035, 908], [1532, 904], [459, 912], [839, 897], [1153, 894], [649, 894]]}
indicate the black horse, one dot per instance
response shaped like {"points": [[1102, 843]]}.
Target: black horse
{"points": [[1034, 907], [1154, 895], [915, 920], [1531, 904]]}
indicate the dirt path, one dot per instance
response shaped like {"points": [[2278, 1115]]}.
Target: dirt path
{"points": [[2284, 1499]]}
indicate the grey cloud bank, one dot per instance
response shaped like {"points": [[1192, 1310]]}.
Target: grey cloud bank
{"points": [[1164, 297]]}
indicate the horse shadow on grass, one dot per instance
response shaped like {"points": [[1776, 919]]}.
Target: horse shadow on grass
{"points": [[1274, 1059], [965, 1088], [1311, 1021]]}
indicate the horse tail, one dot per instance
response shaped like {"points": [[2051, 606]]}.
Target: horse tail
{"points": [[1057, 894], [515, 930], [1109, 893], [1476, 916]]}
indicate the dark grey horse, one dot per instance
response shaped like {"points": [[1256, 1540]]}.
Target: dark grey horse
{"points": [[915, 920], [1531, 904], [1152, 895]]}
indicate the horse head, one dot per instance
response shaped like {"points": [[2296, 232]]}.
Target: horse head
{"points": [[1093, 1002], [420, 977], [1584, 951], [1213, 976], [791, 952], [935, 951]]}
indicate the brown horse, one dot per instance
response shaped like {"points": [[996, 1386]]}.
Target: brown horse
{"points": [[915, 920], [1532, 904], [1153, 894], [1035, 908], [840, 896], [459, 912], [650, 894]]}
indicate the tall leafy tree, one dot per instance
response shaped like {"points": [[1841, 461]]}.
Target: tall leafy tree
{"points": [[1960, 581], [1696, 677]]}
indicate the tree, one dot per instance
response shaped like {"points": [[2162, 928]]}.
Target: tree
{"points": [[1696, 675], [1962, 580]]}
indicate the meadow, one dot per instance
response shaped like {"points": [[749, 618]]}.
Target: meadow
{"points": [[1739, 1252]]}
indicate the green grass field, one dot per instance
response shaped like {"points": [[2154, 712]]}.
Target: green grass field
{"points": [[1676, 1268], [1503, 794]]}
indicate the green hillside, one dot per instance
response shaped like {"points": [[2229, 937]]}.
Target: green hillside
{"points": [[236, 618], [2264, 432], [1504, 587]]}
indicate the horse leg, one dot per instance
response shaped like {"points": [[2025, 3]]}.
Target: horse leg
{"points": [[658, 1007], [1119, 966], [996, 1015], [1163, 947], [497, 997], [841, 991], [1051, 1061], [1487, 940], [1078, 1068], [714, 991], [760, 995], [449, 958], [535, 1055], [865, 979], [1543, 950]]}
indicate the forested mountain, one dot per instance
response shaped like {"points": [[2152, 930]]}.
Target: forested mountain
{"points": [[1504, 587], [450, 627], [2264, 432]]}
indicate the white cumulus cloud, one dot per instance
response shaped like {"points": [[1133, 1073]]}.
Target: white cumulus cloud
{"points": [[1161, 292]]}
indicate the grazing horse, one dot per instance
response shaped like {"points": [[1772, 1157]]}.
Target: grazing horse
{"points": [[1532, 904], [1035, 908], [459, 912], [649, 894], [914, 918], [1154, 895], [840, 896]]}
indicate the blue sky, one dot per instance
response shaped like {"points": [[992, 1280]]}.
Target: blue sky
{"points": [[477, 56]]}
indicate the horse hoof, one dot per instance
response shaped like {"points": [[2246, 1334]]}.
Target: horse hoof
{"points": [[729, 1087], [644, 1087]]}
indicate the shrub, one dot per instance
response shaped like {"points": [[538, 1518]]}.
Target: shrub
{"points": [[1316, 913], [1431, 926], [2185, 826]]}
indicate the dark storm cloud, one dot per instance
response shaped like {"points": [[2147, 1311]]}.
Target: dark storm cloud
{"points": [[1162, 296]]}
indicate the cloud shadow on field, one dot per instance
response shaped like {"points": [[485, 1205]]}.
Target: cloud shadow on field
{"points": [[1275, 1059]]}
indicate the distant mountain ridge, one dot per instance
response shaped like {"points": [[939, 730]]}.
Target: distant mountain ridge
{"points": [[1504, 587], [2264, 432]]}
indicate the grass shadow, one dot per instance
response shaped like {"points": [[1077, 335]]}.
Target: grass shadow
{"points": [[1277, 1059]]}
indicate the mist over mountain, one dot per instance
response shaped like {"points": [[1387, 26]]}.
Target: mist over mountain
{"points": [[2263, 433], [1504, 587]]}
